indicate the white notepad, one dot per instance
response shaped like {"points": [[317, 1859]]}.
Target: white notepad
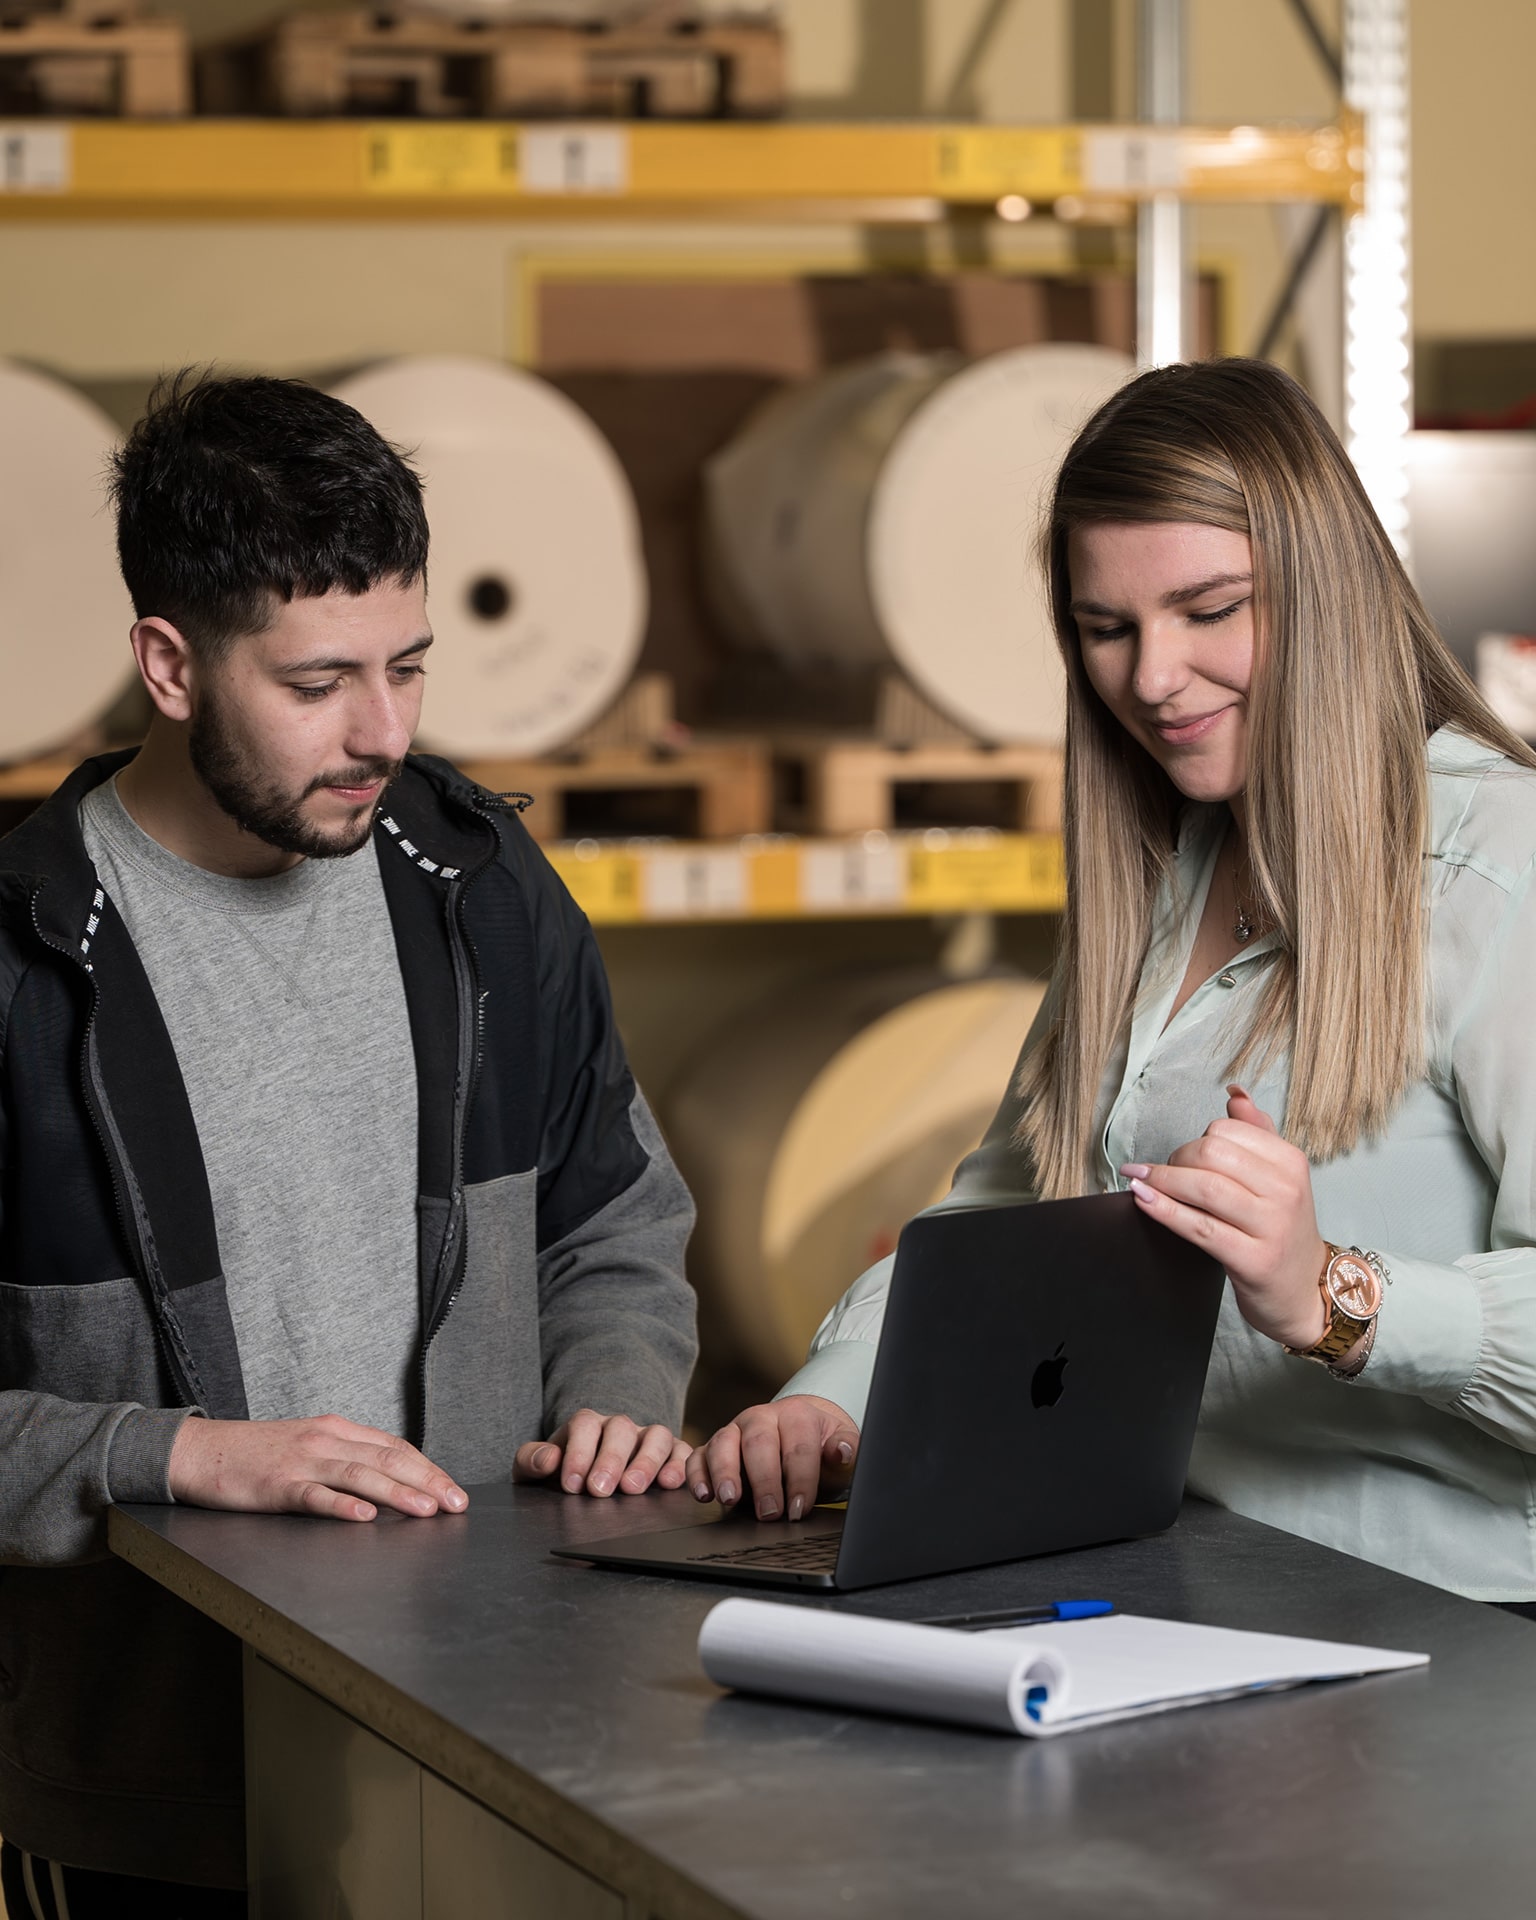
{"points": [[1037, 1680]]}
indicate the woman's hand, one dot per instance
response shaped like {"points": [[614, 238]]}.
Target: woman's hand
{"points": [[779, 1452], [604, 1453], [1245, 1196]]}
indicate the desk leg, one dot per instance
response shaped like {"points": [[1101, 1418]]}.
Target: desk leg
{"points": [[474, 1863], [338, 1821], [333, 1813]]}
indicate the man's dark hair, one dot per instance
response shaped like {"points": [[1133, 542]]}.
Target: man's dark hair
{"points": [[233, 493]]}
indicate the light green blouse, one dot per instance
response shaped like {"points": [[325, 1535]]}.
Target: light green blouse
{"points": [[1424, 1463]]}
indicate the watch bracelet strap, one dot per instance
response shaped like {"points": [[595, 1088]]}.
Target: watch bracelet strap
{"points": [[1357, 1366], [1341, 1334]]}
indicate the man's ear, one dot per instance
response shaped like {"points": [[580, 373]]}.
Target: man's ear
{"points": [[166, 663]]}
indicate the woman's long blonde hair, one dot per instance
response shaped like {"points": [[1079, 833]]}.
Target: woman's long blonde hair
{"points": [[1349, 680]]}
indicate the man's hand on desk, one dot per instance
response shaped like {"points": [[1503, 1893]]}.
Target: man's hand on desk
{"points": [[604, 1453], [782, 1451], [326, 1465]]}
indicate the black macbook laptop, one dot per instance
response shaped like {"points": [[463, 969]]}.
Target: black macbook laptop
{"points": [[1039, 1372]]}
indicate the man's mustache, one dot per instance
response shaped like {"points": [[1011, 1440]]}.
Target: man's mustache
{"points": [[362, 775]]}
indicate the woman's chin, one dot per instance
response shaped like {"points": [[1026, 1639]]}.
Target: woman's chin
{"points": [[1211, 786]]}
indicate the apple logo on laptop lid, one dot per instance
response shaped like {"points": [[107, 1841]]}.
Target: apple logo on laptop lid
{"points": [[1046, 1386]]}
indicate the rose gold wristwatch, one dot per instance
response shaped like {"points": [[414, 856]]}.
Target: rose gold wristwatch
{"points": [[1351, 1283]]}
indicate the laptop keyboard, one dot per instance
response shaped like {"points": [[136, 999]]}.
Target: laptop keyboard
{"points": [[818, 1554]]}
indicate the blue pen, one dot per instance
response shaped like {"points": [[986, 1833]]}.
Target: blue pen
{"points": [[1021, 1616]]}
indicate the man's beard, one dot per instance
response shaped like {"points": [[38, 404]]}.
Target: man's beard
{"points": [[228, 770]]}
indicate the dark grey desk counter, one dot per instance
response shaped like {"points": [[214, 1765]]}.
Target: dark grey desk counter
{"points": [[570, 1702]]}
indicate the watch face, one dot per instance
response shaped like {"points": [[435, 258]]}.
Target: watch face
{"points": [[1354, 1286]]}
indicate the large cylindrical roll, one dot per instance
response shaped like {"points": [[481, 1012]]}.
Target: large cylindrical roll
{"points": [[536, 582], [888, 513], [815, 1129], [64, 612]]}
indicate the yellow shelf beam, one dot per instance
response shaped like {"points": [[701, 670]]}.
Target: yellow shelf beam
{"points": [[347, 169], [776, 877]]}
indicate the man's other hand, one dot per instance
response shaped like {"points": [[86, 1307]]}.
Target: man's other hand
{"points": [[603, 1453], [326, 1465], [781, 1453]]}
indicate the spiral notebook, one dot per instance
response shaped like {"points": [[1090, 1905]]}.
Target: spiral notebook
{"points": [[1037, 1680]]}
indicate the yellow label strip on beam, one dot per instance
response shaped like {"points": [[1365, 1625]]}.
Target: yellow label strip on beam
{"points": [[878, 874]]}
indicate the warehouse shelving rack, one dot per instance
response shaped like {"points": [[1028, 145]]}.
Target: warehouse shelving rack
{"points": [[909, 172]]}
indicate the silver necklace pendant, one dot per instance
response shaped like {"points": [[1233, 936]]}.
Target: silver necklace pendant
{"points": [[1242, 927]]}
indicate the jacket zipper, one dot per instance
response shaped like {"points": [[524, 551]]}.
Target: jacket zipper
{"points": [[123, 1198], [465, 1075], [471, 1036]]}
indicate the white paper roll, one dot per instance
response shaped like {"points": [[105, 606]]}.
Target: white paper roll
{"points": [[64, 611], [813, 1131], [536, 581], [787, 504], [890, 512], [883, 1666], [954, 534]]}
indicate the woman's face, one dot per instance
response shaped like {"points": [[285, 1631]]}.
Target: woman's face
{"points": [[1164, 615]]}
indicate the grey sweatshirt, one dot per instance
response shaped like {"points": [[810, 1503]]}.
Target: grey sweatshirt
{"points": [[285, 1006]]}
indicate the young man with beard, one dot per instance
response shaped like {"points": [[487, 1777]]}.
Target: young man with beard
{"points": [[326, 1188]]}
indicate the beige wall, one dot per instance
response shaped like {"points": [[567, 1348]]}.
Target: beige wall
{"points": [[1474, 167], [111, 300]]}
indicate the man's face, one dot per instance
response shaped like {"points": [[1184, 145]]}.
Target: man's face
{"points": [[299, 730]]}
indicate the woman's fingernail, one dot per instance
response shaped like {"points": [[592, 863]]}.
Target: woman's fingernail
{"points": [[1141, 1190], [844, 1452], [701, 1491], [797, 1506], [1241, 1092], [1134, 1170], [767, 1509], [727, 1492]]}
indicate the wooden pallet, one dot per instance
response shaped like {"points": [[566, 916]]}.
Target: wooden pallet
{"points": [[670, 65], [389, 61], [395, 61], [859, 786], [704, 791], [707, 791], [90, 62]]}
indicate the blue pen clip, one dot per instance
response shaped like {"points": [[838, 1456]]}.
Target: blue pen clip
{"points": [[1037, 1616]]}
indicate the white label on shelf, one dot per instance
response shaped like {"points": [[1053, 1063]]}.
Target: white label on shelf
{"points": [[573, 159], [852, 874], [1137, 159], [704, 882], [35, 159]]}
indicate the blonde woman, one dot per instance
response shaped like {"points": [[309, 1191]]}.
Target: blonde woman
{"points": [[1294, 1008]]}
